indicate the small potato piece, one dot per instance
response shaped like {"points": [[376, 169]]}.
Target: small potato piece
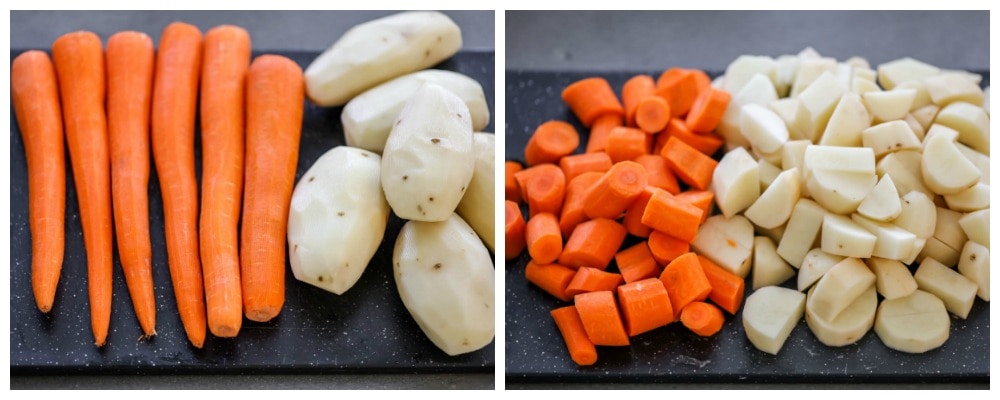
{"points": [[976, 226], [379, 50], [735, 182], [839, 191], [814, 266], [428, 160], [746, 67], [904, 167], [913, 324], [951, 87], [800, 232], [769, 315], [891, 241], [882, 203], [768, 173], [846, 123], [971, 122], [889, 106], [337, 218], [844, 237], [838, 288], [768, 267], [972, 199], [974, 264], [956, 291], [904, 69], [476, 206], [888, 137], [765, 130], [821, 98], [847, 327], [892, 279], [948, 230], [938, 250], [841, 159], [917, 214], [727, 242], [796, 117], [775, 205], [758, 90], [945, 169], [445, 278]]}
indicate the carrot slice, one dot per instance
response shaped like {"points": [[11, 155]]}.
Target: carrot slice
{"points": [[658, 173], [616, 190], [685, 281], [626, 144], [551, 278], [601, 318], [551, 141], [633, 214], [652, 114], [691, 166], [592, 280], [702, 318], [581, 349], [591, 98], [667, 214], [574, 165], [633, 91], [593, 244], [572, 210], [702, 199], [637, 263], [543, 238], [598, 140], [514, 227], [666, 248], [680, 88], [707, 143], [645, 306], [543, 187], [512, 191], [727, 287], [707, 110]]}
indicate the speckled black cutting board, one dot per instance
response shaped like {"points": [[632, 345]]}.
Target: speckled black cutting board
{"points": [[535, 351], [366, 330]]}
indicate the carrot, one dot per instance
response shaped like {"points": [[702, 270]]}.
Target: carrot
{"points": [[666, 248], [598, 139], [633, 214], [572, 210], [590, 98], [727, 288], [35, 96], [275, 99], [551, 141], [130, 60], [513, 230], [685, 281], [79, 62], [593, 244], [691, 166], [652, 114], [667, 214], [645, 306], [227, 56], [512, 191], [175, 100], [707, 143], [601, 318], [543, 238], [581, 350], [702, 80], [680, 88], [702, 199], [637, 263], [707, 110], [633, 91], [551, 278], [702, 318], [576, 164], [543, 187], [615, 191], [589, 279], [626, 144], [657, 172]]}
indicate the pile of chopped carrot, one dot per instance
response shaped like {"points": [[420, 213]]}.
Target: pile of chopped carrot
{"points": [[645, 173]]}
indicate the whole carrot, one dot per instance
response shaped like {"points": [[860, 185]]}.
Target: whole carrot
{"points": [[275, 96], [227, 57], [79, 62], [35, 95], [130, 86], [175, 99]]}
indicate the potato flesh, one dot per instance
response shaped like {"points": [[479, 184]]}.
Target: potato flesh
{"points": [[801, 231], [972, 123], [844, 237], [759, 90], [821, 98], [839, 286], [769, 315], [735, 182], [888, 137], [814, 266], [913, 324], [947, 88], [774, 206], [842, 159], [847, 327], [891, 241], [904, 69], [974, 198], [956, 291], [841, 192], [882, 203], [768, 267], [848, 120], [890, 105], [974, 265], [476, 206], [904, 168], [976, 226], [765, 130], [892, 279], [945, 169], [727, 242]]}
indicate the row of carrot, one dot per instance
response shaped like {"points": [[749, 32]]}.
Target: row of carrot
{"points": [[645, 172], [114, 105]]}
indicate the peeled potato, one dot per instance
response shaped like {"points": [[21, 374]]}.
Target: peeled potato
{"points": [[838, 288], [850, 325], [913, 324], [476, 206], [769, 315]]}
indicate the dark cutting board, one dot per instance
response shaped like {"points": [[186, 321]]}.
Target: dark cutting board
{"points": [[535, 351], [366, 330]]}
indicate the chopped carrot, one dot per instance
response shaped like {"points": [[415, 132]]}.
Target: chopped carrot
{"points": [[543, 187], [576, 164], [512, 191], [589, 279], [581, 350], [543, 238], [691, 166], [702, 318], [513, 230], [598, 140], [633, 91], [652, 114], [35, 96], [591, 98], [704, 83], [702, 199], [727, 288], [551, 278], [572, 210], [637, 263], [707, 143], [666, 248], [645, 306], [685, 281], [707, 110], [625, 144], [551, 141], [593, 244], [667, 214], [615, 191], [657, 173], [679, 87], [633, 214], [601, 318]]}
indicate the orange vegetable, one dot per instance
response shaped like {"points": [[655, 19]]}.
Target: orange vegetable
{"points": [[576, 164], [679, 87], [512, 191], [652, 114], [593, 244], [591, 98], [513, 230], [657, 172], [685, 281], [572, 210], [707, 110], [598, 140], [691, 166], [543, 187], [552, 278], [35, 96], [592, 280], [615, 191], [702, 199], [543, 238], [637, 263], [707, 143], [551, 141], [666, 248], [727, 288], [581, 349], [645, 306], [633, 91], [626, 144], [702, 318], [601, 318], [633, 214], [667, 214]]}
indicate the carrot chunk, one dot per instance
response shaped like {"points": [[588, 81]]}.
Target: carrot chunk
{"points": [[591, 98], [645, 306], [593, 244], [616, 190], [702, 318], [551, 141], [601, 318], [581, 350], [685, 281], [514, 227]]}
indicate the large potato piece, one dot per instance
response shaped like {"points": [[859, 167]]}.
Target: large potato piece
{"points": [[847, 327], [770, 314], [735, 182], [336, 219], [913, 324], [376, 51], [727, 242], [838, 288], [445, 278], [428, 160], [955, 290], [476, 207]]}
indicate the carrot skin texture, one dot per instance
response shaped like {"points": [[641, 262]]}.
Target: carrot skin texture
{"points": [[599, 131], [175, 100], [513, 230], [130, 60], [727, 288], [610, 196], [35, 97], [590, 98], [702, 318], [691, 166], [707, 110], [637, 263], [666, 248], [601, 318], [551, 278], [667, 214], [543, 238], [572, 211], [633, 91], [275, 97], [589, 279], [645, 306], [593, 244], [574, 165], [551, 141], [512, 190], [685, 281], [581, 349]]}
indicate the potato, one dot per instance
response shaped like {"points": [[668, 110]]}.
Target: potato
{"points": [[847, 327], [814, 266], [936, 249], [744, 68], [971, 122], [476, 206], [428, 160], [839, 191], [768, 173], [922, 98], [765, 130], [948, 230], [810, 68], [849, 118], [727, 242], [821, 98], [955, 290], [980, 160], [445, 278], [775, 205], [861, 87], [945, 169], [796, 117], [904, 168], [835, 158], [892, 279], [891, 241], [974, 265], [838, 288], [735, 182], [974, 198], [904, 69], [882, 203], [890, 136], [913, 324], [844, 237], [379, 50], [950, 87], [336, 219], [976, 226], [758, 90], [801, 231], [925, 115], [769, 315], [889, 106], [768, 267], [368, 118]]}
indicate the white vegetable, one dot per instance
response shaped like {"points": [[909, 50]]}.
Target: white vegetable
{"points": [[768, 267], [951, 87], [905, 69], [914, 324], [976, 226], [839, 286], [936, 249], [775, 205], [945, 169], [974, 198], [758, 90], [727, 242], [890, 136], [892, 279], [974, 264], [801, 230], [445, 278], [376, 51], [956, 291], [840, 192], [891, 241], [368, 118], [814, 266], [925, 115], [428, 161], [904, 168], [889, 106], [882, 203], [764, 129], [821, 98], [847, 327], [476, 206], [971, 122], [744, 68], [336, 219], [735, 182], [849, 118], [844, 237], [769, 315]]}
